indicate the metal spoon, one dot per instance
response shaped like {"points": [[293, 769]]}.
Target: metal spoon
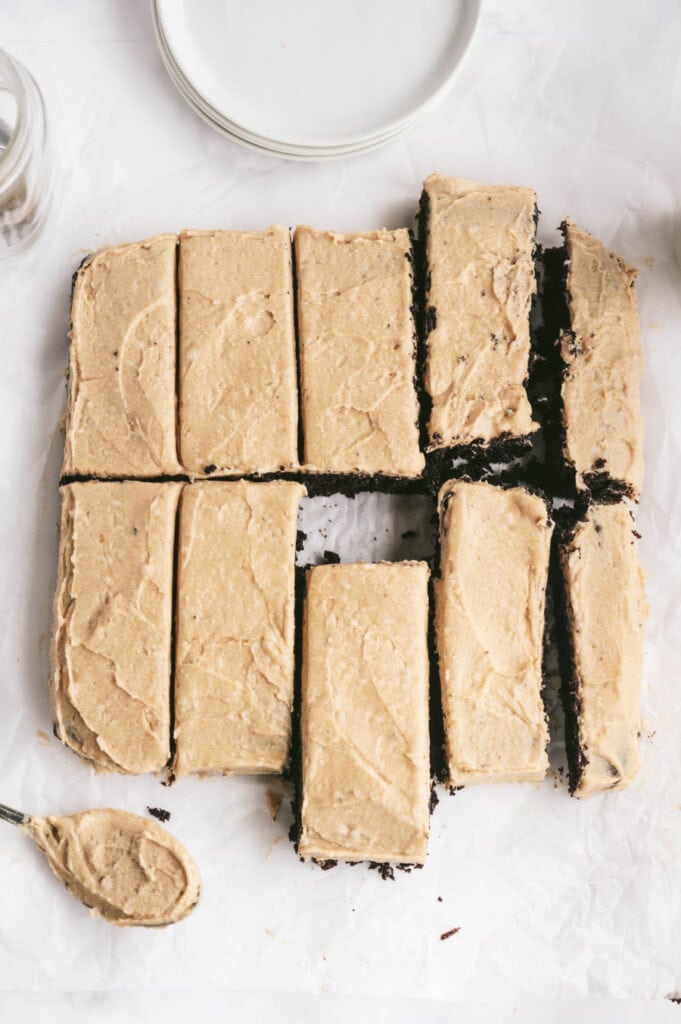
{"points": [[13, 817]]}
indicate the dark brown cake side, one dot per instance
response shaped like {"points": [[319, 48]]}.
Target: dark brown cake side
{"points": [[566, 521]]}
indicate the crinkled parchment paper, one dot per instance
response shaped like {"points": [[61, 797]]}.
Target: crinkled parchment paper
{"points": [[552, 897]]}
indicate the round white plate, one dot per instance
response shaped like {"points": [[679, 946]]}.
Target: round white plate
{"points": [[318, 74], [239, 135]]}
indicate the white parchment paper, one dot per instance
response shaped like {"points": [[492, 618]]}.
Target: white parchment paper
{"points": [[553, 898]]}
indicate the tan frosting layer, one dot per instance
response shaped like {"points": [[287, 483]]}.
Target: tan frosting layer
{"points": [[357, 352], [112, 620], [121, 404], [365, 713], [234, 654], [481, 282], [601, 389], [238, 390], [489, 603], [607, 609], [129, 870]]}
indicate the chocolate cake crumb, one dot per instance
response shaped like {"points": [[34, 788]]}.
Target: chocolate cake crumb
{"points": [[448, 935], [160, 813], [331, 557], [439, 899], [386, 871], [209, 469], [301, 537]]}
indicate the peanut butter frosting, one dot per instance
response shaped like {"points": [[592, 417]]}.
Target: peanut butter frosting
{"points": [[607, 612], [489, 616], [234, 653], [480, 249], [127, 869], [366, 771], [112, 621], [237, 378], [121, 403], [357, 352], [604, 363]]}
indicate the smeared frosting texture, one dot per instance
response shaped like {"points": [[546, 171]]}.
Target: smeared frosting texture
{"points": [[357, 352], [480, 285], [365, 713], [237, 375], [121, 403], [127, 869], [234, 654], [112, 621], [604, 363], [607, 612], [489, 602]]}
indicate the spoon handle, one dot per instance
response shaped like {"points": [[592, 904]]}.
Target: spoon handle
{"points": [[13, 817]]}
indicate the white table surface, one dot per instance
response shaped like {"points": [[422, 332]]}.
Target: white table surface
{"points": [[580, 99]]}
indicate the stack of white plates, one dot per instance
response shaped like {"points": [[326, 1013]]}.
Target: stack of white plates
{"points": [[313, 79]]}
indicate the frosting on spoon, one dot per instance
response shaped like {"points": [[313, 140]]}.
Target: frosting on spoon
{"points": [[127, 869]]}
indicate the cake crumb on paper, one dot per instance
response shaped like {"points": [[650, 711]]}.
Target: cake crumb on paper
{"points": [[159, 813], [448, 935], [273, 798]]}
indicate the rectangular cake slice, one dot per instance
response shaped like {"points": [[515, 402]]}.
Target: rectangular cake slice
{"points": [[480, 280], [120, 418], [489, 618], [237, 376], [112, 624], [234, 627], [603, 363], [603, 621], [364, 719], [357, 352]]}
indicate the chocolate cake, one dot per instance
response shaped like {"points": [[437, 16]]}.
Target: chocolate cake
{"points": [[357, 354], [364, 715], [599, 589], [110, 684], [489, 626], [237, 356], [600, 352], [234, 627], [478, 280], [120, 415]]}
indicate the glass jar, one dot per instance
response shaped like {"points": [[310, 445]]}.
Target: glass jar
{"points": [[26, 172]]}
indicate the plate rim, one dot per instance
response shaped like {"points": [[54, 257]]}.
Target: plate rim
{"points": [[307, 157]]}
